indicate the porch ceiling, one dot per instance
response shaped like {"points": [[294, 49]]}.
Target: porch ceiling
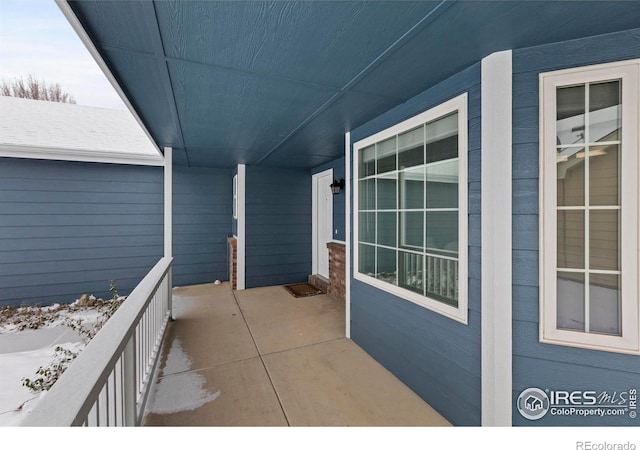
{"points": [[278, 83]]}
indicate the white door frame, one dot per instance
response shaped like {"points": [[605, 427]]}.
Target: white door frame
{"points": [[314, 216]]}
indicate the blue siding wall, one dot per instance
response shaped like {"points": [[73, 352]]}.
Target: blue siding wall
{"points": [[67, 228], [277, 226], [437, 357], [202, 209], [542, 365], [339, 200]]}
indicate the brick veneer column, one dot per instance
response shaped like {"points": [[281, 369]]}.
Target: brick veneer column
{"points": [[337, 270], [233, 262]]}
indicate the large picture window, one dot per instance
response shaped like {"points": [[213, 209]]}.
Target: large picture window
{"points": [[589, 213], [411, 203]]}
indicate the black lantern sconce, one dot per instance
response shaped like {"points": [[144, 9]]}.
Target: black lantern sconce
{"points": [[337, 186]]}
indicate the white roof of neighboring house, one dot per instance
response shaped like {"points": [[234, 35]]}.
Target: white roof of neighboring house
{"points": [[50, 130]]}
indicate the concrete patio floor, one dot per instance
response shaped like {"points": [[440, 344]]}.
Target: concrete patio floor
{"points": [[261, 357]]}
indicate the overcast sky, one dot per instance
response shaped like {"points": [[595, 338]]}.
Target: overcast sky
{"points": [[36, 38]]}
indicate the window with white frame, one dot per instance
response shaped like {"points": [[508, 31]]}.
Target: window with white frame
{"points": [[589, 207], [410, 194]]}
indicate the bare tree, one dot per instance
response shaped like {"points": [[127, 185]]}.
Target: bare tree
{"points": [[35, 89]]}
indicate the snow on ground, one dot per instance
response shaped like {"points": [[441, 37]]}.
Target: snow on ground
{"points": [[15, 399], [28, 339]]}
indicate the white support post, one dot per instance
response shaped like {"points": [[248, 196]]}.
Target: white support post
{"points": [[170, 293], [347, 233], [240, 270], [496, 180], [168, 201], [168, 218]]}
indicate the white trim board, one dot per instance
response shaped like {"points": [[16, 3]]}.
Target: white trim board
{"points": [[347, 233], [59, 154], [168, 202], [240, 268], [496, 325]]}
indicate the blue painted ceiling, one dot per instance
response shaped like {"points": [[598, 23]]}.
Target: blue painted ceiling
{"points": [[278, 83]]}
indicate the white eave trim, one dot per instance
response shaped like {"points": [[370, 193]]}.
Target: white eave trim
{"points": [[61, 154], [88, 43]]}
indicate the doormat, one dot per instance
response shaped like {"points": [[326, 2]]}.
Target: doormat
{"points": [[302, 290]]}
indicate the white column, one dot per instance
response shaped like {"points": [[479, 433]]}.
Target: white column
{"points": [[240, 272], [168, 202], [347, 233], [496, 94]]}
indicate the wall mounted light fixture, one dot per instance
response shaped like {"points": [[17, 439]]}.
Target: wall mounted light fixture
{"points": [[337, 186]]}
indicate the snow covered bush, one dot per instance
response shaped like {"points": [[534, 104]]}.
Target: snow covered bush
{"points": [[86, 316]]}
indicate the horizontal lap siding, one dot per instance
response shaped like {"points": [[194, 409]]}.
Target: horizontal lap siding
{"points": [[202, 212], [67, 228], [277, 226], [535, 364], [436, 357]]}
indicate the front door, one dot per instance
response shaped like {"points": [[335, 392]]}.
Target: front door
{"points": [[322, 221]]}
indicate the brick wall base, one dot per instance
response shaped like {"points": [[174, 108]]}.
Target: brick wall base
{"points": [[233, 262], [337, 271]]}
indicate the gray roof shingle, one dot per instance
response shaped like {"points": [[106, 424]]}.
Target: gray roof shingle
{"points": [[48, 126]]}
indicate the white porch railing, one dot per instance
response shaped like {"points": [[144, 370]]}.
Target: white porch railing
{"points": [[437, 279], [108, 383], [442, 277]]}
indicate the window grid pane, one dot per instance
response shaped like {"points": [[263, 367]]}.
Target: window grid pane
{"points": [[411, 200], [588, 213]]}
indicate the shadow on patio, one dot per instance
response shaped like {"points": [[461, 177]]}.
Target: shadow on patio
{"points": [[261, 357]]}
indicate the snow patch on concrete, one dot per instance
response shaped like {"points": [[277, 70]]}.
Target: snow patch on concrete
{"points": [[179, 390]]}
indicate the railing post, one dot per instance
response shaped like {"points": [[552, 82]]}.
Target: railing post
{"points": [[129, 382], [170, 293]]}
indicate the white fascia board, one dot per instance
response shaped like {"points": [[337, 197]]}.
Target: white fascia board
{"points": [[496, 222], [347, 233], [86, 40], [241, 244], [60, 154]]}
